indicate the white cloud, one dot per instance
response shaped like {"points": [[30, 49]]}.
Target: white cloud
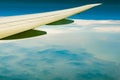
{"points": [[95, 22], [95, 25], [100, 25], [107, 29]]}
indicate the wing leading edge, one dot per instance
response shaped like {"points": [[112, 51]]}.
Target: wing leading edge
{"points": [[17, 24]]}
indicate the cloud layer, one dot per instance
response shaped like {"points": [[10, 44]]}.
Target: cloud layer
{"points": [[79, 51]]}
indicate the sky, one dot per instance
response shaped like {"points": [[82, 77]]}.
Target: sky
{"points": [[108, 10]]}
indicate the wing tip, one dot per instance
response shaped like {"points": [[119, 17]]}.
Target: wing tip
{"points": [[97, 4]]}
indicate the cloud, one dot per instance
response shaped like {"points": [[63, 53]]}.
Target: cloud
{"points": [[95, 22], [107, 29], [60, 28], [84, 25], [53, 63]]}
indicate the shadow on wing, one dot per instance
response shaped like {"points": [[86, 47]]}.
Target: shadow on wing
{"points": [[62, 22], [26, 34]]}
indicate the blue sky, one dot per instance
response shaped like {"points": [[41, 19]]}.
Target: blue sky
{"points": [[109, 9]]}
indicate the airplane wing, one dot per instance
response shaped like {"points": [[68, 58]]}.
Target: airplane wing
{"points": [[16, 24]]}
